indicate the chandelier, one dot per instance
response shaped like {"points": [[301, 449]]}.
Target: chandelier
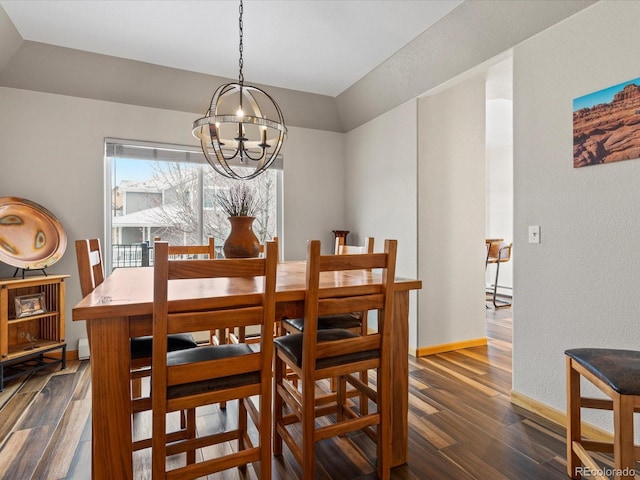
{"points": [[243, 130]]}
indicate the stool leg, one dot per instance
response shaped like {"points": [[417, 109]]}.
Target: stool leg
{"points": [[574, 433], [496, 303], [623, 457]]}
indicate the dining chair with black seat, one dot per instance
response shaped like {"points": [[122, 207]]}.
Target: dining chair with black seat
{"points": [[213, 374], [314, 355], [91, 274], [353, 321]]}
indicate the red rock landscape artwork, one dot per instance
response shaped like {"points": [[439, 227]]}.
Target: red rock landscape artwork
{"points": [[606, 125]]}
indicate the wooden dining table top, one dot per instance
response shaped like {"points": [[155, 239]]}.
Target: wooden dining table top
{"points": [[129, 291]]}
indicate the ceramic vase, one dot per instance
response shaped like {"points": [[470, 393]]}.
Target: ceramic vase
{"points": [[242, 241]]}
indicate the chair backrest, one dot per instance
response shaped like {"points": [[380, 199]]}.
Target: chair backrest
{"points": [[90, 268], [190, 250], [492, 245], [504, 252], [377, 296], [214, 313], [262, 247], [342, 249]]}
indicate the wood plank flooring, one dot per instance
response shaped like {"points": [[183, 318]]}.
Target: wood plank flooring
{"points": [[462, 425]]}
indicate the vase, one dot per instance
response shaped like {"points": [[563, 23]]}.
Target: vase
{"points": [[241, 242]]}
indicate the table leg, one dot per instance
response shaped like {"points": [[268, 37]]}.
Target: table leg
{"points": [[400, 376], [111, 399]]}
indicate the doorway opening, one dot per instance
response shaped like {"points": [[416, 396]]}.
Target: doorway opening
{"points": [[499, 182]]}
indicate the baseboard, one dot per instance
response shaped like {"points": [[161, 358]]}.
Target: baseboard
{"points": [[448, 347], [557, 416]]}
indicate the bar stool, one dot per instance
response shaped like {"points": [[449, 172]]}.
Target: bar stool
{"points": [[497, 254], [616, 373]]}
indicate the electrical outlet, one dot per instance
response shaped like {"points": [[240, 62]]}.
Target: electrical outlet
{"points": [[534, 233]]}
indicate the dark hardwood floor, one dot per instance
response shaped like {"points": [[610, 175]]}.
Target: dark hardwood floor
{"points": [[462, 425]]}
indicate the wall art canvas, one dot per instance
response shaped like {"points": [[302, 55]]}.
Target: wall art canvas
{"points": [[606, 125]]}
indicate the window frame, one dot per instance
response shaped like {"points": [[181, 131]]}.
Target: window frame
{"points": [[115, 148]]}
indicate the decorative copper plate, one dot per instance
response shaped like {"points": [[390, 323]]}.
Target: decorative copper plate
{"points": [[31, 237]]}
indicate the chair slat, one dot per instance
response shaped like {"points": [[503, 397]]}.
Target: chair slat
{"points": [[208, 370], [352, 262], [230, 268], [351, 345], [330, 306], [211, 320]]}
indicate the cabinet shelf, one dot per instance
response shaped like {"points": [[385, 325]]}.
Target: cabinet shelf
{"points": [[34, 317], [18, 355], [21, 349]]}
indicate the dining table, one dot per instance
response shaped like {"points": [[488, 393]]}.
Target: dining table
{"points": [[121, 308]]}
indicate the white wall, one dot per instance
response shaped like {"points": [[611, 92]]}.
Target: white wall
{"points": [[313, 189], [52, 152], [499, 222], [451, 213], [380, 190], [579, 286]]}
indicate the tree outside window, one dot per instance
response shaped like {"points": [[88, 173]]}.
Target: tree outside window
{"points": [[175, 201]]}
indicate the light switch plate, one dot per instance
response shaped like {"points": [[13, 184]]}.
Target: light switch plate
{"points": [[534, 233]]}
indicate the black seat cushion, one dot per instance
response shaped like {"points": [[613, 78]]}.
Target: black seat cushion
{"points": [[620, 369], [141, 346], [326, 322], [291, 345], [201, 354]]}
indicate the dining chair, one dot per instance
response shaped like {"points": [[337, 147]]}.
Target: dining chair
{"points": [[213, 374], [91, 274], [616, 374], [315, 354], [353, 321]]}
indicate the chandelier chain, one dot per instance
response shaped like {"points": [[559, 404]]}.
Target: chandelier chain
{"points": [[241, 47]]}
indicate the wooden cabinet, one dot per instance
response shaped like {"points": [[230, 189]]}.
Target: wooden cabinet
{"points": [[32, 322]]}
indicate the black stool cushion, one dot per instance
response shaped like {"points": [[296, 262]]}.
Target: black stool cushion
{"points": [[201, 354], [291, 345], [326, 322], [141, 346], [620, 369]]}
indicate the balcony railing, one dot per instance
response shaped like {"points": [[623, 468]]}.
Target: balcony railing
{"points": [[131, 255], [139, 255]]}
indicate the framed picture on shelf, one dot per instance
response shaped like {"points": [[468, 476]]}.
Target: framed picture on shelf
{"points": [[28, 305]]}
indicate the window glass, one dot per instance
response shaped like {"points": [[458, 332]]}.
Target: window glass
{"points": [[175, 201]]}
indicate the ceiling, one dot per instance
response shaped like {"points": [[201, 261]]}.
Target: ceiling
{"points": [[316, 46]]}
